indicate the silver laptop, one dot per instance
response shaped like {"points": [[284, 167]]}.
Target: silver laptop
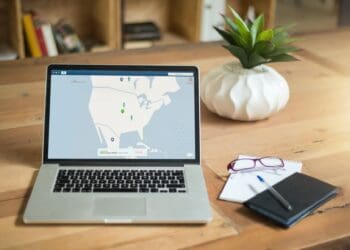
{"points": [[121, 145]]}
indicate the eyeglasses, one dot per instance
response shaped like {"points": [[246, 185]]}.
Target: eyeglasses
{"points": [[246, 164]]}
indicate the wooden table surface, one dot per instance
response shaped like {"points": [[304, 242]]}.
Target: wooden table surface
{"points": [[314, 128]]}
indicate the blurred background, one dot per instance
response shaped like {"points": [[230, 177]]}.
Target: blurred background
{"points": [[46, 28]]}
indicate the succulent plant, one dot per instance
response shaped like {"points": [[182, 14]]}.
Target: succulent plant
{"points": [[252, 44]]}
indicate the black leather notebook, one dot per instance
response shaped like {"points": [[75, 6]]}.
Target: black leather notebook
{"points": [[303, 192]]}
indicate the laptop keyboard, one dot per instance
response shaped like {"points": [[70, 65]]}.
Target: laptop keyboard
{"points": [[126, 181]]}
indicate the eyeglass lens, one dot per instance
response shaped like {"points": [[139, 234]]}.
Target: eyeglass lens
{"points": [[271, 162], [244, 164]]}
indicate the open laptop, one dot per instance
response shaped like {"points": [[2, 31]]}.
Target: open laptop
{"points": [[121, 145]]}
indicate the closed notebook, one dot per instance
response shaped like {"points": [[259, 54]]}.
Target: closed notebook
{"points": [[303, 192]]}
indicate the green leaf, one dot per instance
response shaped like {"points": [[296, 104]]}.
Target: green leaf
{"points": [[283, 58], [226, 36], [239, 53], [263, 47], [240, 23], [280, 38], [242, 28], [235, 34], [240, 41], [290, 40], [256, 28], [253, 45], [249, 23], [282, 50], [266, 35], [230, 23], [284, 27], [255, 60]]}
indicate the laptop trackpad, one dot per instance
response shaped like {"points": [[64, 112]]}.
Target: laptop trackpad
{"points": [[120, 206]]}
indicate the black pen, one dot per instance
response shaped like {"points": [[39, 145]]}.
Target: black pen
{"points": [[276, 194]]}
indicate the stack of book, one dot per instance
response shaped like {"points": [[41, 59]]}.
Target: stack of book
{"points": [[39, 37], [43, 39], [140, 35]]}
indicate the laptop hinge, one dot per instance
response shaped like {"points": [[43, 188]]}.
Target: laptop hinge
{"points": [[51, 164], [191, 164]]}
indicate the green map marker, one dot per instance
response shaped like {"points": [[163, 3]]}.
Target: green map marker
{"points": [[122, 110]]}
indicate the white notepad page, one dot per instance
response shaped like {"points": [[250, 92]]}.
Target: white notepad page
{"points": [[242, 186]]}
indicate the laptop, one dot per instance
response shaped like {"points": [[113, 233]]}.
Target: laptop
{"points": [[121, 145]]}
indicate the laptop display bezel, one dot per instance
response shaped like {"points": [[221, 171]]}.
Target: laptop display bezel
{"points": [[122, 162]]}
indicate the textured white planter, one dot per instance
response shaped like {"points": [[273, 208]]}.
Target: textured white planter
{"points": [[244, 94]]}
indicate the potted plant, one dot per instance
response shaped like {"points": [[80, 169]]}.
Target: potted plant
{"points": [[249, 90]]}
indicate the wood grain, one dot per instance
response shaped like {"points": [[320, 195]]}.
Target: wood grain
{"points": [[152, 10], [11, 25], [90, 19], [313, 128], [185, 18]]}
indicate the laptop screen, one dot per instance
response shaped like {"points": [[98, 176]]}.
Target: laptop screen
{"points": [[121, 114]]}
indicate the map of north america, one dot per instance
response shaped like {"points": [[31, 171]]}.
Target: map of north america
{"points": [[122, 104]]}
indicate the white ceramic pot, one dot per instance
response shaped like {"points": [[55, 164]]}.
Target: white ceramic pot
{"points": [[244, 94]]}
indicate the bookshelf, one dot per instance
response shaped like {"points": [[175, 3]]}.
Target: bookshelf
{"points": [[93, 20], [101, 21], [11, 26], [178, 20]]}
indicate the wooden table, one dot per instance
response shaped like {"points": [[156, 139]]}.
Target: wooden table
{"points": [[314, 128]]}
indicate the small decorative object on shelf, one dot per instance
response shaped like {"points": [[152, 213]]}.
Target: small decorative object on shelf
{"points": [[248, 90], [7, 53], [67, 39]]}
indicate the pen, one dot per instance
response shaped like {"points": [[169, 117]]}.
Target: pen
{"points": [[276, 194]]}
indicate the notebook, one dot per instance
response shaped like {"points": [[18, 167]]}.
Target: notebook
{"points": [[303, 192], [242, 186]]}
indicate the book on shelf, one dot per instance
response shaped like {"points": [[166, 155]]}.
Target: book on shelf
{"points": [[141, 31], [40, 35], [43, 39], [49, 39], [31, 36]]}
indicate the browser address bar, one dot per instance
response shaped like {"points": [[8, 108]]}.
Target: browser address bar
{"points": [[180, 74]]}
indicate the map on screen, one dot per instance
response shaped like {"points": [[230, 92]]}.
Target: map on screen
{"points": [[121, 116]]}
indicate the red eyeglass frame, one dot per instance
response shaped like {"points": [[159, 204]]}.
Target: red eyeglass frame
{"points": [[230, 166]]}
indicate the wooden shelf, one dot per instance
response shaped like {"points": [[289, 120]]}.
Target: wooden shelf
{"points": [[169, 38], [184, 22], [102, 20], [11, 27], [91, 19]]}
